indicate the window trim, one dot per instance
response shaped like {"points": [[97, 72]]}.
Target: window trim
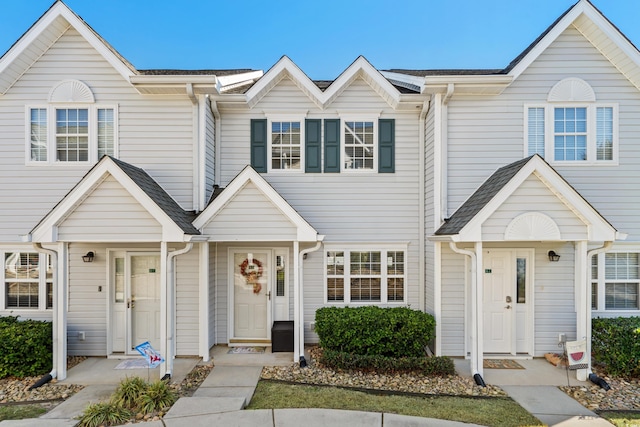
{"points": [[300, 118], [43, 263], [359, 117], [51, 132], [549, 134], [347, 248], [601, 281]]}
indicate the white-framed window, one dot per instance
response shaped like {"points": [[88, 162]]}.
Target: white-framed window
{"points": [[70, 134], [365, 275], [359, 147], [27, 281], [359, 142], [578, 134], [616, 279], [286, 151]]}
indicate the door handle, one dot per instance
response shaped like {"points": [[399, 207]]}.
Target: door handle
{"points": [[508, 307], [131, 303], [508, 299], [269, 295]]}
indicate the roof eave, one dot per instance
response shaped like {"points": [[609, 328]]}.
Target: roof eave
{"points": [[468, 85]]}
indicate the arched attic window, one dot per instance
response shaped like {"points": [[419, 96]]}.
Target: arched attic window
{"points": [[71, 128], [572, 127]]}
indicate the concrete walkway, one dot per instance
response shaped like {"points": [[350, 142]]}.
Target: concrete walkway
{"points": [[228, 389]]}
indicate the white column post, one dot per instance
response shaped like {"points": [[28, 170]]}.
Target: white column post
{"points": [[297, 320], [60, 305], [479, 331], [205, 309], [164, 309], [583, 308]]}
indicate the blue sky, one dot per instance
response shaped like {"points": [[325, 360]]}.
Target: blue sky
{"points": [[323, 38]]}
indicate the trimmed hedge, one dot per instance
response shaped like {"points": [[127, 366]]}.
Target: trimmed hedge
{"points": [[26, 347], [615, 342], [374, 331], [425, 365]]}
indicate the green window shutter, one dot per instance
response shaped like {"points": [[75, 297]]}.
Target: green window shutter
{"points": [[259, 144], [386, 146], [332, 145], [313, 145]]}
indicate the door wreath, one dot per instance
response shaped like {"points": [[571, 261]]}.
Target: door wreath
{"points": [[252, 272]]}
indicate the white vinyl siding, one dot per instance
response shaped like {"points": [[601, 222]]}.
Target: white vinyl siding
{"points": [[187, 297], [533, 195], [110, 214], [483, 132], [250, 216], [345, 208], [163, 124]]}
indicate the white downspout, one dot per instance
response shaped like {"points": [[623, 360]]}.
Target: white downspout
{"points": [[59, 354], [444, 152], [476, 366], [299, 350], [584, 373], [421, 212], [171, 301]]}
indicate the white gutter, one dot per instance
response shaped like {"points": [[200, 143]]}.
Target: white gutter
{"points": [[171, 302], [299, 351], [55, 320], [476, 366]]}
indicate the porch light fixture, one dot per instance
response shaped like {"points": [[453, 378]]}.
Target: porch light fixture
{"points": [[553, 257], [88, 257]]}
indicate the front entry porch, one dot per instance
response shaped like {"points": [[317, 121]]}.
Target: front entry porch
{"points": [[536, 372]]}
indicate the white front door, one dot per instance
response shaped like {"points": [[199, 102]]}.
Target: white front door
{"points": [[251, 296], [507, 301], [144, 300], [497, 302], [135, 301]]}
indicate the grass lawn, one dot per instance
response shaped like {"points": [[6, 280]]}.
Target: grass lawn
{"points": [[622, 419], [19, 412], [499, 412]]}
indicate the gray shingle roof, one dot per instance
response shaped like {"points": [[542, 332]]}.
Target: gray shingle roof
{"points": [[480, 198], [161, 198]]}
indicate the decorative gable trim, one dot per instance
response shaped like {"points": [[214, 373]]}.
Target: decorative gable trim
{"points": [[360, 68], [571, 89], [53, 17], [532, 226], [71, 91], [598, 228], [592, 24], [46, 230], [305, 232]]}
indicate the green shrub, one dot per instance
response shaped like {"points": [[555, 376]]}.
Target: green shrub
{"points": [[129, 392], [158, 396], [382, 364], [26, 347], [615, 342], [104, 414], [370, 330]]}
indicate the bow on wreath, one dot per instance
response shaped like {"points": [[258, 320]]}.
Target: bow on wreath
{"points": [[252, 271]]}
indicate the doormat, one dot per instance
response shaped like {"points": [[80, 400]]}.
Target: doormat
{"points": [[246, 350], [133, 364], [501, 364]]}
